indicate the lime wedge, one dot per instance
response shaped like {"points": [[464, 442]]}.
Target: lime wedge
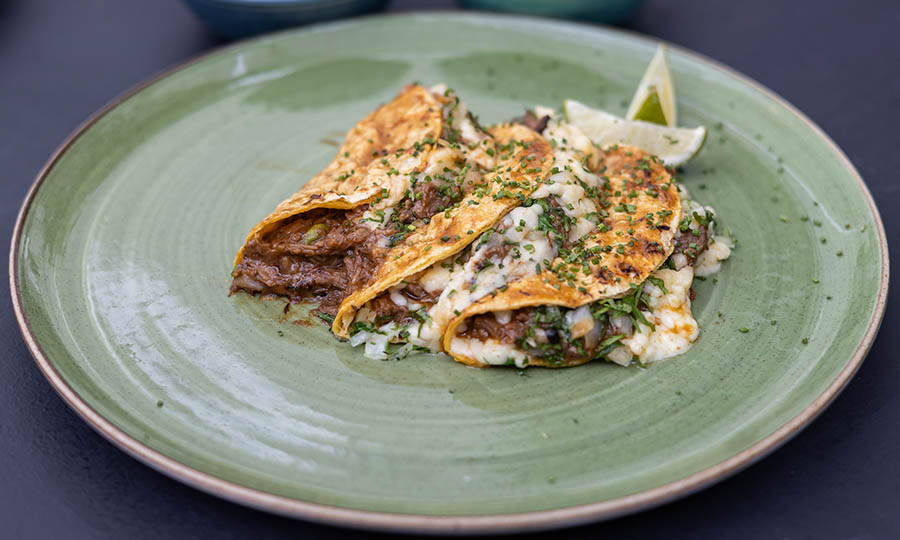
{"points": [[654, 99], [673, 145], [651, 110]]}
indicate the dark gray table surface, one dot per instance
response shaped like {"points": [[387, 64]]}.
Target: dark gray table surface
{"points": [[839, 62]]}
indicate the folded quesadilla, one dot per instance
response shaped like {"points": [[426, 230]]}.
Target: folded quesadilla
{"points": [[566, 311]]}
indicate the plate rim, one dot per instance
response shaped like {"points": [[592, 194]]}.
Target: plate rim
{"points": [[425, 523]]}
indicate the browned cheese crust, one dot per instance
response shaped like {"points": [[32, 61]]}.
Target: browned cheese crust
{"points": [[634, 240]]}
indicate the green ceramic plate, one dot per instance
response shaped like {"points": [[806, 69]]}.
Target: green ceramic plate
{"points": [[120, 272]]}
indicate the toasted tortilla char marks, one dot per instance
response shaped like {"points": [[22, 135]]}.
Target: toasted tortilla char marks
{"points": [[476, 213], [630, 250], [357, 173]]}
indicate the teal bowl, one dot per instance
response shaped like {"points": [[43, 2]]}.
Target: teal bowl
{"points": [[242, 18], [605, 11]]}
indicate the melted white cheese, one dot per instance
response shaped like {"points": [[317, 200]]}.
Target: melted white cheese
{"points": [[566, 184], [490, 352], [710, 261], [670, 313], [435, 278]]}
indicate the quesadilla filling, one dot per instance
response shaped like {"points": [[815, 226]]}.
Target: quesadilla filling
{"points": [[317, 256], [324, 254]]}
